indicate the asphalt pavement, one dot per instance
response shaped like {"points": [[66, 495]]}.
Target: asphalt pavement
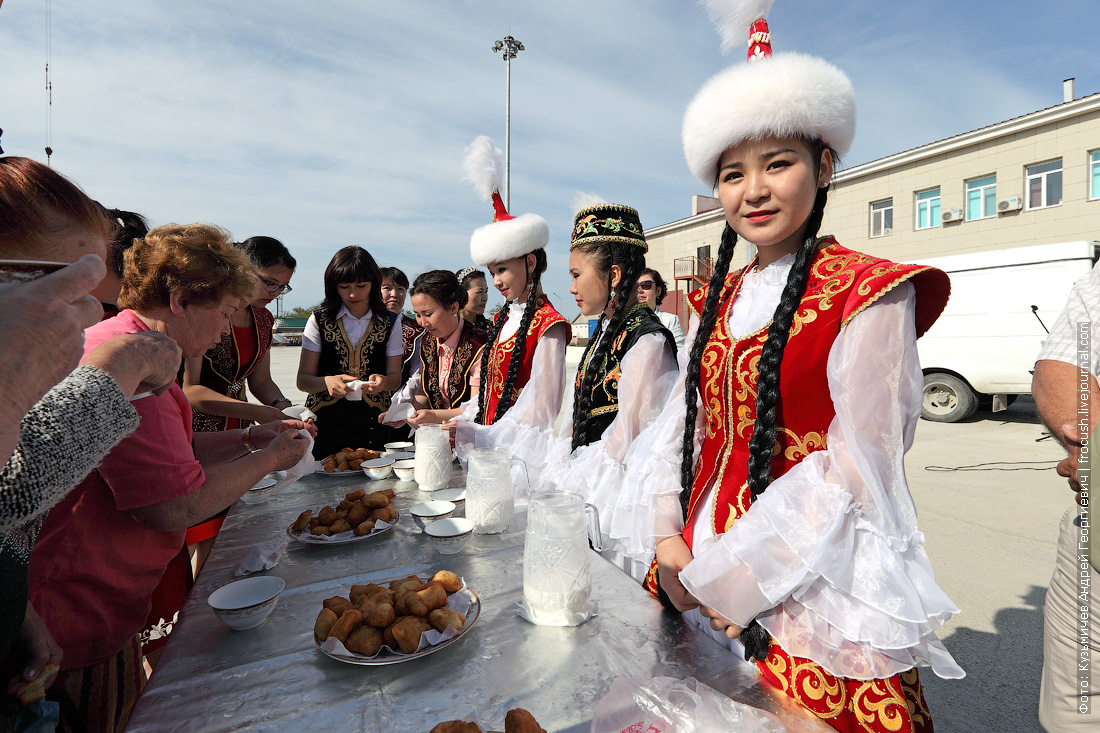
{"points": [[989, 505]]}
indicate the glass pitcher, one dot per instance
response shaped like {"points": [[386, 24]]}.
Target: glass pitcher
{"points": [[489, 501], [557, 581], [432, 466]]}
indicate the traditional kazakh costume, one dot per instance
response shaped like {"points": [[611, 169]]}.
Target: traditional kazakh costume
{"points": [[227, 366]]}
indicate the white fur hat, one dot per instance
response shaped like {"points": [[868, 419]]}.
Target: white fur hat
{"points": [[507, 236], [781, 95]]}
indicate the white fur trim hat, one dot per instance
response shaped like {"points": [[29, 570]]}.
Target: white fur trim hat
{"points": [[782, 95], [507, 236]]}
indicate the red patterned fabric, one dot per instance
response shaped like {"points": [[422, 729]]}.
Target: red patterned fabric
{"points": [[226, 367], [500, 357]]}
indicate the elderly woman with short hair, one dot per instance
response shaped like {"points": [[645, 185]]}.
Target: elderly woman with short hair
{"points": [[104, 549]]}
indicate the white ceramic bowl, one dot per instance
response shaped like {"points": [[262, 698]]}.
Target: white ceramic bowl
{"points": [[450, 535], [245, 604], [404, 469], [378, 468], [427, 512], [400, 446], [258, 493], [455, 496], [400, 455]]}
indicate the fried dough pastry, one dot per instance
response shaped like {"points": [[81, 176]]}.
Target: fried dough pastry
{"points": [[385, 514], [320, 532], [456, 726], [423, 602], [441, 618], [337, 604], [450, 581], [302, 521], [354, 495], [364, 527], [375, 500], [407, 631], [521, 721], [364, 640], [390, 493], [357, 514], [326, 619], [327, 515], [340, 525], [350, 619], [410, 583], [379, 615]]}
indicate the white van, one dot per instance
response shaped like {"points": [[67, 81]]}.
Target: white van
{"points": [[981, 351]]}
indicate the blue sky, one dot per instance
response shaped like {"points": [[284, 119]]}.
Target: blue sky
{"points": [[327, 124]]}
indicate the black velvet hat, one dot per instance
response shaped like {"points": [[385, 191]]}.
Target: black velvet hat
{"points": [[608, 223]]}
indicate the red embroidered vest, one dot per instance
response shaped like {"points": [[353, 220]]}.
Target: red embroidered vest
{"points": [[500, 357], [841, 284]]}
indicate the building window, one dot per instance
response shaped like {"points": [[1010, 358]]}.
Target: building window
{"points": [[882, 218], [981, 198], [1094, 175], [928, 209], [1044, 185]]}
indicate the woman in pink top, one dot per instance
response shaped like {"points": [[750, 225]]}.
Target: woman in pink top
{"points": [[106, 546], [450, 351]]}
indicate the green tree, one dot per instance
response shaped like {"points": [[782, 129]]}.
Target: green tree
{"points": [[301, 312]]}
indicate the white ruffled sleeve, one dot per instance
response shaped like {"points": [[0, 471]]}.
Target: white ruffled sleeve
{"points": [[829, 559], [597, 471], [526, 431], [651, 484]]}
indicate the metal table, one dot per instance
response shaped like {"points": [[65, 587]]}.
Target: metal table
{"points": [[273, 677]]}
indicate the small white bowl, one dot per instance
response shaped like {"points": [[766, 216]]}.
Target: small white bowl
{"points": [[245, 604], [404, 469], [427, 512], [258, 493], [450, 535], [400, 446], [378, 468], [400, 455], [455, 496]]}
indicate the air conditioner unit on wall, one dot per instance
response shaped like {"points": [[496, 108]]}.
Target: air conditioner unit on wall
{"points": [[951, 215], [1015, 203]]}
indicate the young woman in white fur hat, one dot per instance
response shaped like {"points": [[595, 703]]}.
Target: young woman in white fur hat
{"points": [[523, 363], [774, 481]]}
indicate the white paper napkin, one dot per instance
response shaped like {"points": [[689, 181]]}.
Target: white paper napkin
{"points": [[559, 617], [355, 390], [299, 469], [398, 412], [263, 556], [300, 412]]}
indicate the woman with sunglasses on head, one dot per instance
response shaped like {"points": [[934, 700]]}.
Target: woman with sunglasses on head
{"points": [[781, 517], [215, 382], [652, 291]]}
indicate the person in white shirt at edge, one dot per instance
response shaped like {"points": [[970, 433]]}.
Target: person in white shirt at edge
{"points": [[350, 337], [774, 481], [623, 379], [1055, 387], [652, 291], [523, 364], [449, 372]]}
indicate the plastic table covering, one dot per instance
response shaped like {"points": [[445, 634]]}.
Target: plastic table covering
{"points": [[273, 677]]}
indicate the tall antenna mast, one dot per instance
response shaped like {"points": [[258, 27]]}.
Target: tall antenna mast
{"points": [[49, 84]]}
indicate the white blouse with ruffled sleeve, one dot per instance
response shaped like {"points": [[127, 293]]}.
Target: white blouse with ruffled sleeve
{"points": [[829, 558]]}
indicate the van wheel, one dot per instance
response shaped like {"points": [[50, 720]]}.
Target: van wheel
{"points": [[947, 398]]}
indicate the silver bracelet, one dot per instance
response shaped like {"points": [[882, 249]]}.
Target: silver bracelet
{"points": [[247, 435]]}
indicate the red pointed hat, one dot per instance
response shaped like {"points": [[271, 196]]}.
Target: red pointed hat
{"points": [[507, 236], [781, 95]]}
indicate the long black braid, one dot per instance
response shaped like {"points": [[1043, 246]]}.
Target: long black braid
{"points": [[631, 261], [515, 361]]}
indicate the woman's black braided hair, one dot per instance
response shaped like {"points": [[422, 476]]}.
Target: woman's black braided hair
{"points": [[762, 443], [515, 361], [631, 261]]}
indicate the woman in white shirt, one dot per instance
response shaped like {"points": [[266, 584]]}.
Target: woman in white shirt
{"points": [[351, 337]]}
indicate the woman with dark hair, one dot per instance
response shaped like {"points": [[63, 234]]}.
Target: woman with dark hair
{"points": [[523, 370], [794, 536], [395, 286], [351, 337], [623, 378], [652, 291], [473, 282], [450, 351], [128, 228]]}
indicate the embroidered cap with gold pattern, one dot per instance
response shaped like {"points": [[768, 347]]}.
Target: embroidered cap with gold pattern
{"points": [[608, 224]]}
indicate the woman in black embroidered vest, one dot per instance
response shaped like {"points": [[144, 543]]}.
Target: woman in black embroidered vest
{"points": [[351, 337], [624, 377], [450, 351], [477, 295]]}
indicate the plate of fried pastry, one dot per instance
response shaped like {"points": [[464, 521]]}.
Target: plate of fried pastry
{"points": [[346, 462], [406, 618], [359, 516]]}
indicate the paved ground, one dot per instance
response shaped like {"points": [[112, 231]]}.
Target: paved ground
{"points": [[990, 533]]}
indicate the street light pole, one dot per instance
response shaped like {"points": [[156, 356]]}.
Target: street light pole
{"points": [[510, 46]]}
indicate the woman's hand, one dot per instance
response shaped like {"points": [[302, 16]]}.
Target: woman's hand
{"points": [[673, 555], [423, 417], [337, 385], [139, 362], [262, 435], [718, 622], [38, 648], [374, 384]]}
